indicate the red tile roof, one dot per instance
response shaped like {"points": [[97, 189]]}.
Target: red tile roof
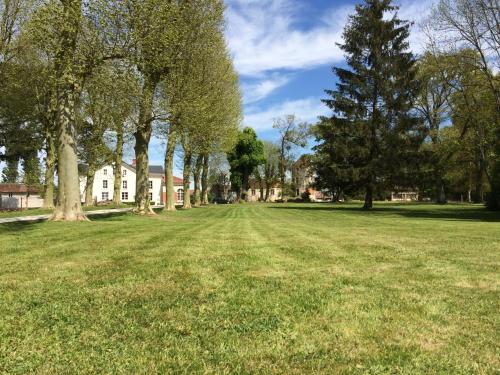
{"points": [[18, 189]]}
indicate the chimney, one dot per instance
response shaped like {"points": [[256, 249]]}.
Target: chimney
{"points": [[133, 162]]}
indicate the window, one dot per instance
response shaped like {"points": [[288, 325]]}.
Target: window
{"points": [[272, 191], [105, 171], [180, 195], [124, 184], [124, 196], [150, 197], [253, 191], [124, 173], [11, 195], [150, 184], [105, 196], [104, 184]]}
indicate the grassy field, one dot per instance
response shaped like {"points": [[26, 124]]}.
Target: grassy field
{"points": [[290, 289]]}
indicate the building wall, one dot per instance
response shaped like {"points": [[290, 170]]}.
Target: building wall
{"points": [[106, 174], [18, 201], [253, 195]]}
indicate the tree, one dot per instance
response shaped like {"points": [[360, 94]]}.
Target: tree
{"points": [[432, 103], [247, 154], [203, 99], [374, 98], [153, 29], [269, 170], [292, 134]]}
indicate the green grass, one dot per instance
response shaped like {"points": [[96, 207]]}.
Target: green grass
{"points": [[290, 289]]}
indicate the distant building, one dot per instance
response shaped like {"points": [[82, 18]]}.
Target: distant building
{"points": [[256, 194], [404, 196], [303, 179], [19, 196], [102, 189]]}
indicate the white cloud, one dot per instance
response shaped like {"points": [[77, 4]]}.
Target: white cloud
{"points": [[307, 109], [263, 36], [261, 89]]}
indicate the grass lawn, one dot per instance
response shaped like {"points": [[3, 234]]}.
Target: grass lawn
{"points": [[290, 289]]}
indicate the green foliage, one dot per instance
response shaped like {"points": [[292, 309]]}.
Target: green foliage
{"points": [[247, 154]]}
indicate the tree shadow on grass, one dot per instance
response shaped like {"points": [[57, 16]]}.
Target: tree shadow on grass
{"points": [[450, 212], [15, 228]]}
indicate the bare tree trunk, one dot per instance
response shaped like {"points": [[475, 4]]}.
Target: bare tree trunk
{"points": [[197, 180], [440, 192], [204, 180], [368, 197], [268, 188], [50, 164], [169, 168], [186, 176], [89, 186], [142, 137], [117, 166]]}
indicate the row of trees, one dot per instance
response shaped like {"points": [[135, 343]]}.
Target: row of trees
{"points": [[399, 121], [82, 79]]}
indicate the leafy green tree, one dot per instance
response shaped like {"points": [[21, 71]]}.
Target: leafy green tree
{"points": [[247, 154], [373, 102]]}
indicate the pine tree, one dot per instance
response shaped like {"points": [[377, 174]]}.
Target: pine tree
{"points": [[373, 126]]}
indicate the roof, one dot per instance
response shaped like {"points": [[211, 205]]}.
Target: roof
{"points": [[256, 185], [153, 170], [17, 188]]}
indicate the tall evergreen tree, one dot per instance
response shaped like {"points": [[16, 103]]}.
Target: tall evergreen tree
{"points": [[373, 123]]}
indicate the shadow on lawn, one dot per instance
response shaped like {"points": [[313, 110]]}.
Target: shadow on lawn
{"points": [[411, 211]]}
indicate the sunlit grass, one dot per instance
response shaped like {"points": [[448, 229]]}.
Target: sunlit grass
{"points": [[255, 289]]}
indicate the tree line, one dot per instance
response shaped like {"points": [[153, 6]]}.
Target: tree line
{"points": [[400, 121], [82, 79]]}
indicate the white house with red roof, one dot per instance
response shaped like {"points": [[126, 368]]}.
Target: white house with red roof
{"points": [[102, 190]]}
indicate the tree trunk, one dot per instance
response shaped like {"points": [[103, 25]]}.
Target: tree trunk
{"points": [[142, 137], [69, 205], [440, 192], [169, 168], [186, 176], [89, 186], [244, 185], [50, 164], [368, 197], [197, 180], [268, 188], [117, 166], [204, 180]]}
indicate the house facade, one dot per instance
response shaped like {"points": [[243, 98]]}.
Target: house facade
{"points": [[19, 196], [303, 179], [103, 186], [256, 194]]}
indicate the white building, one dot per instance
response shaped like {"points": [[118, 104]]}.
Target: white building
{"points": [[102, 189], [19, 196]]}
